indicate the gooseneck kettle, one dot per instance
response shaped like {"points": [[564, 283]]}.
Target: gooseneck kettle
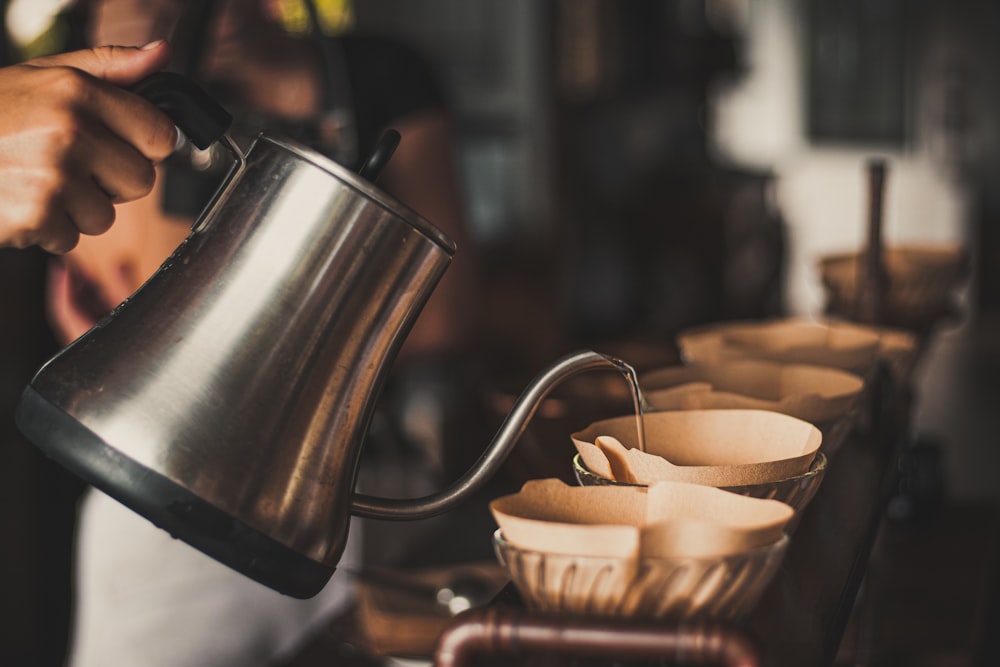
{"points": [[228, 398]]}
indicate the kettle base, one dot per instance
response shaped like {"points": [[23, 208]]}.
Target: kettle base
{"points": [[167, 504]]}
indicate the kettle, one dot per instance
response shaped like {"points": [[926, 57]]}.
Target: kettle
{"points": [[228, 398]]}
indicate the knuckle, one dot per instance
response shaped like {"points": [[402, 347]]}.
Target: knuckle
{"points": [[39, 225], [66, 132], [162, 139], [38, 209], [139, 183], [71, 83], [45, 190], [28, 231], [62, 243], [145, 178], [100, 219]]}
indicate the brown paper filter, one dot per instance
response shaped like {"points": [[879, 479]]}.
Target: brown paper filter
{"points": [[690, 538], [712, 447], [816, 394], [670, 519], [896, 347], [791, 340], [548, 515], [618, 458], [696, 520]]}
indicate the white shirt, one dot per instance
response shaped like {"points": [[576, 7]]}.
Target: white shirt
{"points": [[145, 598]]}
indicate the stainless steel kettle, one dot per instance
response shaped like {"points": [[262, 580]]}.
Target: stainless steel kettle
{"points": [[228, 398]]}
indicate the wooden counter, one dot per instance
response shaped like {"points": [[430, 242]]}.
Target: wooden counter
{"points": [[799, 621]]}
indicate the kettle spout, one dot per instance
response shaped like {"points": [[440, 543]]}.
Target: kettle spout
{"points": [[499, 449]]}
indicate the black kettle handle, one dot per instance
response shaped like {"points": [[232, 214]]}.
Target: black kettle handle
{"points": [[194, 111]]}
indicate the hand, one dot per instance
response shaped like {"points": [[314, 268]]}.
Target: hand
{"points": [[73, 143]]}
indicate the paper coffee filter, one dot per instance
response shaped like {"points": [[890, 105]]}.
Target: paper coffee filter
{"points": [[554, 500], [596, 460], [713, 447], [899, 350], [790, 340], [896, 347], [688, 397], [695, 520], [764, 518], [669, 520], [685, 381], [648, 469], [690, 538], [548, 515], [617, 457], [815, 394], [571, 539]]}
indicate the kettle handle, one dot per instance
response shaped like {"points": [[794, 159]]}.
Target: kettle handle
{"points": [[496, 453], [194, 111]]}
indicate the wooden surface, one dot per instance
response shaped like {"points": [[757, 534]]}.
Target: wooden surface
{"points": [[802, 617]]}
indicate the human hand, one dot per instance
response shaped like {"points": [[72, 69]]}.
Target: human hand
{"points": [[73, 143]]}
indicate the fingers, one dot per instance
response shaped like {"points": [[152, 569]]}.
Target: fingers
{"points": [[136, 121], [50, 207], [32, 215], [73, 142], [59, 233], [119, 170], [58, 236], [90, 81], [88, 207], [118, 65]]}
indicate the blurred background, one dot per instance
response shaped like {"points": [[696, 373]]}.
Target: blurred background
{"points": [[630, 169]]}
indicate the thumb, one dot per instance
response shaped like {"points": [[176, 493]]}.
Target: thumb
{"points": [[120, 65]]}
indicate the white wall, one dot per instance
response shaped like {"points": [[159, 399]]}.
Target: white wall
{"points": [[759, 121]]}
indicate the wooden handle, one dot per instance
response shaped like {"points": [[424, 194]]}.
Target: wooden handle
{"points": [[872, 282]]}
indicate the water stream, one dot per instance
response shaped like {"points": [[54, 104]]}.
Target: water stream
{"points": [[638, 401]]}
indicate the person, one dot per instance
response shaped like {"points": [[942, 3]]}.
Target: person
{"points": [[272, 74], [74, 142], [144, 598]]}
